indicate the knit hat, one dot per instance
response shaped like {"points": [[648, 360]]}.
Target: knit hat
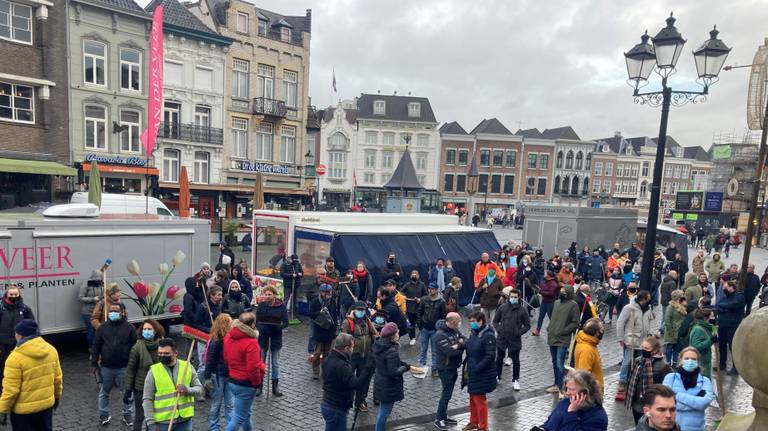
{"points": [[506, 290], [234, 282], [205, 265], [325, 287], [26, 327], [388, 330]]}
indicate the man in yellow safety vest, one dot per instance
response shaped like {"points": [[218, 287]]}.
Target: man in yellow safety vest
{"points": [[164, 399]]}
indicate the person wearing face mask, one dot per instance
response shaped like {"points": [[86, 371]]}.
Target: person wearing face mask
{"points": [[242, 355], [271, 320], [235, 302], [216, 372], [111, 351], [388, 381], [676, 313], [413, 290], [449, 347], [12, 311], [340, 383], [650, 368], [626, 297], [481, 369], [392, 270], [324, 323], [595, 266], [171, 381], [511, 323], [142, 356], [33, 381], [113, 297], [581, 261], [562, 325], [585, 354], [432, 308], [633, 325], [362, 329], [730, 312], [240, 273], [489, 289], [439, 275], [693, 391]]}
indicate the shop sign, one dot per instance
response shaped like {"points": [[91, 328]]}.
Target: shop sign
{"points": [[266, 168], [713, 201], [115, 160]]}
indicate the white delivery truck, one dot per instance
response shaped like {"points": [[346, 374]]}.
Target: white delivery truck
{"points": [[51, 257]]}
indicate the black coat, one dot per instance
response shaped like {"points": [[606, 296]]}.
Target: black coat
{"points": [[431, 311], [319, 333], [511, 322], [412, 290], [214, 360], [339, 381], [481, 361], [112, 344], [448, 358], [388, 381], [10, 316], [287, 272], [391, 271], [270, 321], [235, 306], [395, 315]]}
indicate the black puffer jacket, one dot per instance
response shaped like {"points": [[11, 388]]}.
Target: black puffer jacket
{"points": [[339, 382], [511, 322], [10, 315], [236, 306], [388, 383], [481, 361], [448, 358], [112, 344], [214, 360], [412, 290], [320, 334]]}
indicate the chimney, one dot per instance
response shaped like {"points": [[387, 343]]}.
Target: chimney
{"points": [[308, 21]]}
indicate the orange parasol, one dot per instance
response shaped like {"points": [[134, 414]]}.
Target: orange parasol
{"points": [[184, 193], [258, 192]]}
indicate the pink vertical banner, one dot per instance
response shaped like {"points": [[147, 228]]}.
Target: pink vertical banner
{"points": [[155, 106]]}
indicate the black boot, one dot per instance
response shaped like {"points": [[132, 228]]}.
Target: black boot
{"points": [[259, 390], [275, 389]]}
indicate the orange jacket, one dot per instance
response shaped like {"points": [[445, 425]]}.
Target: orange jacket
{"points": [[481, 270]]}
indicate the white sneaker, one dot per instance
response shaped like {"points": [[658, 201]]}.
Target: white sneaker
{"points": [[508, 362], [412, 342], [515, 385]]}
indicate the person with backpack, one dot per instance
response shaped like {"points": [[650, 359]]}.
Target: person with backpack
{"points": [[358, 325], [451, 294], [432, 308], [322, 312], [511, 323]]}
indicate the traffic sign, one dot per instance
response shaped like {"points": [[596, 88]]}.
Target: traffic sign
{"points": [[320, 170]]}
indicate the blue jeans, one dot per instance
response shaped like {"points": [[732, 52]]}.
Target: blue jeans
{"points": [[425, 336], [275, 365], [545, 308], [335, 420], [112, 378], [177, 426], [558, 363], [624, 372], [241, 416], [663, 313], [221, 396], [670, 351], [89, 331], [381, 418]]}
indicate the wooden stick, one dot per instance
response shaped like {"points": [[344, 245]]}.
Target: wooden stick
{"points": [[104, 290], [205, 301], [176, 383]]}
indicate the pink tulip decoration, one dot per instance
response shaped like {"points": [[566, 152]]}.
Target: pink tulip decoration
{"points": [[140, 289], [175, 308], [171, 292]]}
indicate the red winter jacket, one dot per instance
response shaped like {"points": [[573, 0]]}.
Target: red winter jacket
{"points": [[510, 278], [243, 356], [549, 289]]}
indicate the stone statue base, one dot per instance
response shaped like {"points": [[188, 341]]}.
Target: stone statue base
{"points": [[736, 422]]}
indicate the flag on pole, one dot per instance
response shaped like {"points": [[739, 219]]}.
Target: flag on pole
{"points": [[334, 80], [155, 105]]}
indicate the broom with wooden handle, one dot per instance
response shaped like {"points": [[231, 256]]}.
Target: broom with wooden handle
{"points": [[193, 335]]}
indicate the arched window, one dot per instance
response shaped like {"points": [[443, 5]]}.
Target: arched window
{"points": [[586, 187], [557, 185], [569, 160], [575, 186], [565, 186], [579, 160], [643, 189], [589, 161], [559, 161]]}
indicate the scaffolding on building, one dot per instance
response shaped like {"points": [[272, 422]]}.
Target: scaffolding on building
{"points": [[742, 166]]}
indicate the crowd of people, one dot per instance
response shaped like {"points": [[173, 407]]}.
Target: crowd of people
{"points": [[665, 379]]}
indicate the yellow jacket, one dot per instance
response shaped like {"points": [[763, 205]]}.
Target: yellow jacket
{"points": [[32, 381], [586, 356], [399, 300]]}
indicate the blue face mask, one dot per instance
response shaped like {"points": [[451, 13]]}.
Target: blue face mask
{"points": [[379, 320], [514, 301], [474, 326], [359, 314], [690, 364], [148, 334], [114, 316]]}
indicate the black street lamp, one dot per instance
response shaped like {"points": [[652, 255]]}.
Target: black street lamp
{"points": [[662, 57]]}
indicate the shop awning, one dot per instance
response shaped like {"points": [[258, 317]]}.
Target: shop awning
{"points": [[37, 167], [137, 170]]}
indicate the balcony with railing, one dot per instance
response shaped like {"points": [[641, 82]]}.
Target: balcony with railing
{"points": [[191, 133], [270, 107]]}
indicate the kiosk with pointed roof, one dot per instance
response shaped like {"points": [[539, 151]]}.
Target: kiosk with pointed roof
{"points": [[403, 188]]}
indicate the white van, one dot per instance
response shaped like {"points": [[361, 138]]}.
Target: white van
{"points": [[113, 203]]}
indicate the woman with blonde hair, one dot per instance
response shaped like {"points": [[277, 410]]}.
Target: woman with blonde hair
{"points": [[693, 390], [216, 372]]}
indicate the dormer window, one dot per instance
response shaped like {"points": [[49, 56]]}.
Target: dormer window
{"points": [[414, 110], [263, 27], [285, 34], [242, 22], [606, 148], [628, 150], [379, 107]]}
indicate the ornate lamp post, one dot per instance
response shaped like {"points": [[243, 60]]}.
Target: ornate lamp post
{"points": [[662, 57]]}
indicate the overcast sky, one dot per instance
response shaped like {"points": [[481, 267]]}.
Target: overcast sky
{"points": [[530, 63]]}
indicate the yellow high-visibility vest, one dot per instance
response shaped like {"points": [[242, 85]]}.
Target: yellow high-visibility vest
{"points": [[165, 392]]}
